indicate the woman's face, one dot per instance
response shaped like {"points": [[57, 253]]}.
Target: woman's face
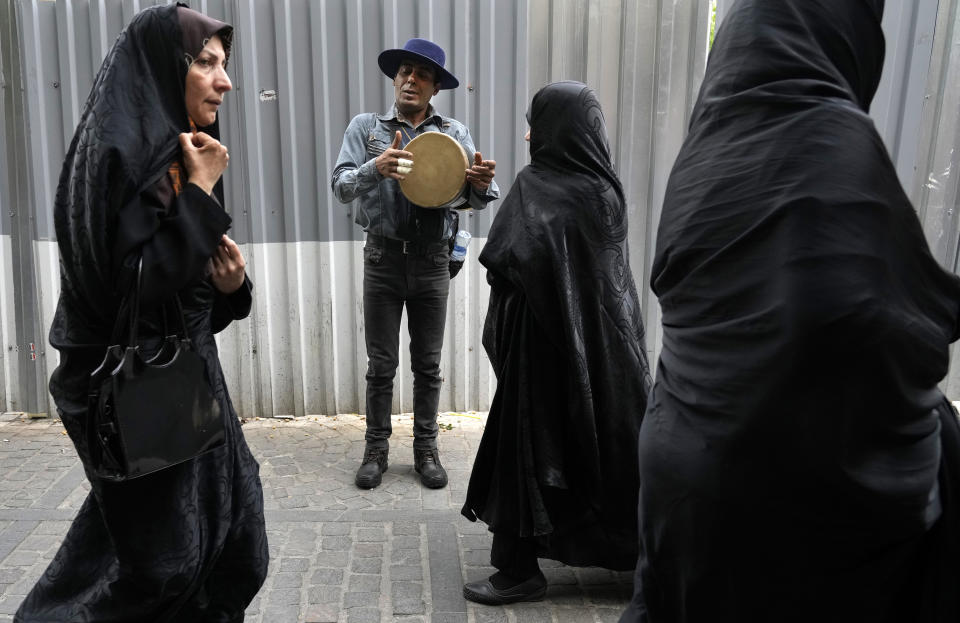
{"points": [[526, 136], [207, 81]]}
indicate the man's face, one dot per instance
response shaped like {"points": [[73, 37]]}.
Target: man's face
{"points": [[414, 84]]}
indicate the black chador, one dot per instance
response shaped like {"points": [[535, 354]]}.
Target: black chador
{"points": [[797, 461], [187, 543], [556, 469]]}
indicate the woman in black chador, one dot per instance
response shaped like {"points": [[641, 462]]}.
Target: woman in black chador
{"points": [[555, 475], [797, 461], [186, 543]]}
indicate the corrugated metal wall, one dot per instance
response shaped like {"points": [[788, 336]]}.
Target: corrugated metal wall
{"points": [[302, 350], [936, 185], [23, 386]]}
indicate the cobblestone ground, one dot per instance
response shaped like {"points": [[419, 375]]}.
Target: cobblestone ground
{"points": [[399, 552]]}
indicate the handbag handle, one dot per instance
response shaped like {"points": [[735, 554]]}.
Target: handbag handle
{"points": [[135, 312], [134, 329]]}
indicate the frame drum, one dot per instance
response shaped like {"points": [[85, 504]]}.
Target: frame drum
{"points": [[439, 169]]}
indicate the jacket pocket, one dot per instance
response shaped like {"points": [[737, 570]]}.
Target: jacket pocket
{"points": [[375, 145]]}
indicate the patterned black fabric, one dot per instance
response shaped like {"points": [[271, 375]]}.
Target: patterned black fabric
{"points": [[797, 461], [564, 334], [187, 543]]}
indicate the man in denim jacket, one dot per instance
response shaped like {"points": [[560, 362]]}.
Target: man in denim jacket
{"points": [[406, 259]]}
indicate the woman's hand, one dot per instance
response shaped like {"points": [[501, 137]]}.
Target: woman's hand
{"points": [[205, 159], [228, 267]]}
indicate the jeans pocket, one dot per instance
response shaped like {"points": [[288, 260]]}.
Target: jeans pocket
{"points": [[372, 256], [440, 259]]}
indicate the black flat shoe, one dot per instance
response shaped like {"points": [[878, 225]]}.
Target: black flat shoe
{"points": [[483, 592]]}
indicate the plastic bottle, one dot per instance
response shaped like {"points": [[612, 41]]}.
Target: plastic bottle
{"points": [[460, 246]]}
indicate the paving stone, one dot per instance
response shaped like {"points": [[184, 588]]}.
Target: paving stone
{"points": [[294, 502], [406, 542], [321, 613], [531, 613], [294, 564], [283, 597], [287, 580], [477, 542], [327, 576], [364, 615], [488, 614], [368, 549], [406, 529], [335, 529], [405, 557], [336, 543], [286, 614], [561, 576], [324, 595], [566, 594], [332, 559], [476, 557], [608, 615], [365, 583], [405, 572], [360, 599], [9, 576], [10, 603], [329, 541], [407, 598], [576, 614], [366, 565], [377, 535]]}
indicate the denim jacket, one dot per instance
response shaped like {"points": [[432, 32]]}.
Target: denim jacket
{"points": [[383, 210]]}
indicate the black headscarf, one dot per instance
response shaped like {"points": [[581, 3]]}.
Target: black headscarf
{"points": [[125, 142], [558, 246], [186, 543], [798, 53], [568, 189], [793, 443]]}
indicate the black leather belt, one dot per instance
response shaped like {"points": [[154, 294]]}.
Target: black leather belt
{"points": [[407, 247]]}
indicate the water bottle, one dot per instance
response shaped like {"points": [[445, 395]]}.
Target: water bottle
{"points": [[460, 246]]}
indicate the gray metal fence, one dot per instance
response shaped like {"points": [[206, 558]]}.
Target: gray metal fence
{"points": [[302, 69]]}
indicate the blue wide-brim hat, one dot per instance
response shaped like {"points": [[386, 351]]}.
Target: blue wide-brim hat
{"points": [[420, 50]]}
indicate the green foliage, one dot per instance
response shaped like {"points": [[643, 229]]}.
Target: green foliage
{"points": [[713, 21]]}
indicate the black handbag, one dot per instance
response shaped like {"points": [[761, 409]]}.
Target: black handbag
{"points": [[146, 415]]}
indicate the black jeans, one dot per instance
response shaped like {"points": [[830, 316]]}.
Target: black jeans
{"points": [[392, 279]]}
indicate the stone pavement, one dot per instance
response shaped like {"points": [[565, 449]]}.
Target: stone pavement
{"points": [[399, 552]]}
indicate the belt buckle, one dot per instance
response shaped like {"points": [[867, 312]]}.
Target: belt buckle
{"points": [[403, 249]]}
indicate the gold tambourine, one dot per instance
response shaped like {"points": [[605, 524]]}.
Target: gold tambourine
{"points": [[438, 175]]}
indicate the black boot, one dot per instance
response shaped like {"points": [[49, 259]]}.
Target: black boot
{"points": [[427, 464], [374, 464]]}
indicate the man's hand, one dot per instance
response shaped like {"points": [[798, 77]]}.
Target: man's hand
{"points": [[205, 159], [228, 267], [481, 173], [387, 162]]}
